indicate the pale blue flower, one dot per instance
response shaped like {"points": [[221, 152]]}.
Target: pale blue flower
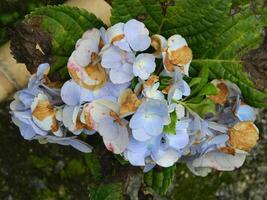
{"points": [[163, 149], [179, 88], [138, 152], [73, 94], [71, 116], [115, 134], [149, 119], [202, 165], [170, 149], [120, 64], [244, 112], [25, 101], [116, 36], [144, 65], [131, 36], [137, 35], [105, 119], [203, 128], [31, 127], [212, 143], [172, 145]]}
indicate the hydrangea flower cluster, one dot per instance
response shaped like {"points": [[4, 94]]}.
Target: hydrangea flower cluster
{"points": [[117, 90]]}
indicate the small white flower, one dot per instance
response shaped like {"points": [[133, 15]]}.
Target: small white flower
{"points": [[144, 65], [152, 92]]}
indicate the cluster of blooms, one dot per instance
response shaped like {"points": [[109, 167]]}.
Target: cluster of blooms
{"points": [[131, 118]]}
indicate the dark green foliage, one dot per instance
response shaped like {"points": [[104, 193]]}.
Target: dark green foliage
{"points": [[171, 127], [218, 38], [93, 165], [12, 11], [111, 191], [55, 29], [160, 179]]}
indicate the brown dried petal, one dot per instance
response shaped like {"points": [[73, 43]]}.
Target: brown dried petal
{"points": [[222, 95], [167, 63], [128, 102], [151, 80], [243, 136], [43, 110], [227, 150], [117, 38], [95, 72], [181, 56]]}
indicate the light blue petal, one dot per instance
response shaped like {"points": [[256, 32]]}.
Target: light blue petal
{"points": [[140, 135], [149, 167], [246, 113], [153, 125], [137, 146], [108, 128], [123, 45], [137, 35], [118, 76], [26, 131], [135, 158], [136, 120], [218, 127], [80, 145], [71, 93], [111, 58], [42, 68], [186, 89], [166, 158], [179, 140]]}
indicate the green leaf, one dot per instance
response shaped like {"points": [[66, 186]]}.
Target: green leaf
{"points": [[164, 82], [203, 107], [194, 81], [203, 74], [121, 159], [106, 192], [134, 82], [13, 11], [171, 127], [56, 29], [160, 179], [93, 165], [208, 89], [218, 39]]}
